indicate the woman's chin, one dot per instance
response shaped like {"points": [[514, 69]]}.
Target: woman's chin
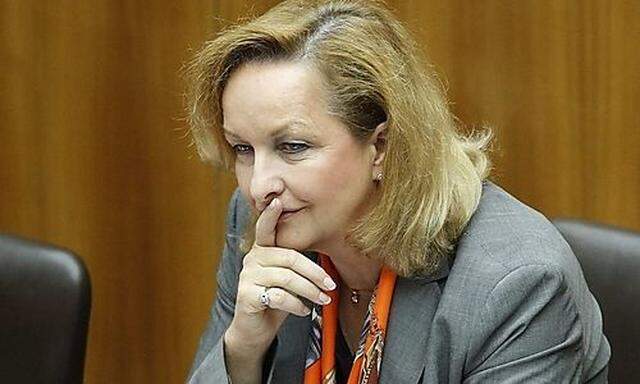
{"points": [[297, 244], [293, 240]]}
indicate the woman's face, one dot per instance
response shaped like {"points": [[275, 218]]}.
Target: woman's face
{"points": [[288, 146]]}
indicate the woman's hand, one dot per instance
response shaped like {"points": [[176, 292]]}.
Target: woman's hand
{"points": [[286, 274]]}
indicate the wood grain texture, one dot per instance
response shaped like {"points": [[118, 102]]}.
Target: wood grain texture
{"points": [[94, 158], [558, 82], [93, 154]]}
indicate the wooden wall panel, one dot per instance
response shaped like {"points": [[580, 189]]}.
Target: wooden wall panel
{"points": [[558, 82], [94, 158], [93, 154]]}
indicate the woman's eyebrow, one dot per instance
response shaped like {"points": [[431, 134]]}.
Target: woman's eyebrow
{"points": [[229, 133], [296, 127], [293, 127]]}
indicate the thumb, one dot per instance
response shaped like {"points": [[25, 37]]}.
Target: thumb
{"points": [[267, 223]]}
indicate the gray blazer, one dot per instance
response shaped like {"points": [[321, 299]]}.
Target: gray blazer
{"points": [[511, 307]]}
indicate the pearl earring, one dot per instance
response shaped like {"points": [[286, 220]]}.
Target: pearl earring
{"points": [[378, 177]]}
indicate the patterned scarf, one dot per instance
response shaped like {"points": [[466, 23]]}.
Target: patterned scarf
{"points": [[320, 367]]}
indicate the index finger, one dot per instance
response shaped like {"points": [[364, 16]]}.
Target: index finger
{"points": [[267, 223]]}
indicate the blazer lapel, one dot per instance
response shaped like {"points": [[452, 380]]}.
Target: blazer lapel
{"points": [[414, 303], [291, 351], [292, 342]]}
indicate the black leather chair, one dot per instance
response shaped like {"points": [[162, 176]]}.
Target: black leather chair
{"points": [[45, 302], [610, 258]]}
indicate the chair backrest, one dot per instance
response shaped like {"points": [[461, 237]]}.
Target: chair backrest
{"points": [[610, 259], [45, 302]]}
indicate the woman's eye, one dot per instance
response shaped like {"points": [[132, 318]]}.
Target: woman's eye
{"points": [[241, 149], [292, 148]]}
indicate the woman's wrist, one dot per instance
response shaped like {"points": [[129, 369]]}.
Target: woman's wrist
{"points": [[243, 364], [250, 350]]}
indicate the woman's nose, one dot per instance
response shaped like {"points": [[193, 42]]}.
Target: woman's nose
{"points": [[266, 184]]}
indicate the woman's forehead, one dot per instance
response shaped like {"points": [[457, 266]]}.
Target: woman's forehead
{"points": [[277, 97], [280, 83]]}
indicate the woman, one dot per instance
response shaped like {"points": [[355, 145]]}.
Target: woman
{"points": [[364, 244]]}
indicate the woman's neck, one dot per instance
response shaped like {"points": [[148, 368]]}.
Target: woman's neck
{"points": [[356, 271]]}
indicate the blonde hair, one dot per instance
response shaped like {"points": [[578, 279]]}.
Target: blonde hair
{"points": [[373, 72]]}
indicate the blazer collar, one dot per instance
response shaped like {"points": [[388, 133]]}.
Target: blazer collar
{"points": [[414, 304]]}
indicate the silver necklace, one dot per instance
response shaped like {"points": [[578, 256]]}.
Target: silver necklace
{"points": [[355, 294]]}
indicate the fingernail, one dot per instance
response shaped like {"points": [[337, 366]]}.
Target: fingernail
{"points": [[324, 299], [307, 311], [329, 283], [274, 203]]}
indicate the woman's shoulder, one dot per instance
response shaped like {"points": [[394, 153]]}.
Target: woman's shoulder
{"points": [[510, 249], [511, 258], [515, 286], [505, 234]]}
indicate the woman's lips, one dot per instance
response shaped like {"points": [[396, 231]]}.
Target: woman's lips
{"points": [[286, 215]]}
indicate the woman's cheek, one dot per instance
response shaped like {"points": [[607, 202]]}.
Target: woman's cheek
{"points": [[341, 175]]}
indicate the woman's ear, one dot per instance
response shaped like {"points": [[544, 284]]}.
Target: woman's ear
{"points": [[378, 142]]}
